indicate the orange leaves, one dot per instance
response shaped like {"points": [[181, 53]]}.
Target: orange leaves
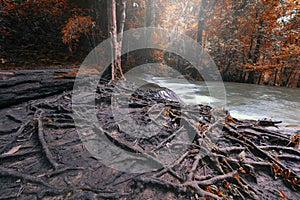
{"points": [[295, 180], [236, 176], [75, 27], [276, 169], [214, 190], [286, 174], [282, 195], [158, 54], [296, 140], [242, 170]]}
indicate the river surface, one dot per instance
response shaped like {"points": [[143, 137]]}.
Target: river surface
{"points": [[244, 101]]}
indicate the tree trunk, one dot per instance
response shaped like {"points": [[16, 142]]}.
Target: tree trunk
{"points": [[150, 13], [201, 21], [256, 54], [203, 14], [116, 40], [110, 10], [120, 38]]}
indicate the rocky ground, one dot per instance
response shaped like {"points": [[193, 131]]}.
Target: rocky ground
{"points": [[43, 157]]}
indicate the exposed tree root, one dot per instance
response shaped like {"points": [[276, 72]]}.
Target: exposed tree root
{"points": [[13, 173], [42, 140], [15, 137], [243, 162]]}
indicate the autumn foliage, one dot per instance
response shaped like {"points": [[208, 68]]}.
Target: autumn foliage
{"points": [[256, 41], [253, 41], [75, 27], [250, 41]]}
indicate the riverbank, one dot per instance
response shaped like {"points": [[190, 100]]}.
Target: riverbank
{"points": [[42, 155]]}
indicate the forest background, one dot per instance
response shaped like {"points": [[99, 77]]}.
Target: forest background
{"points": [[251, 41]]}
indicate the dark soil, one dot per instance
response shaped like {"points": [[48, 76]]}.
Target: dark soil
{"points": [[42, 156]]}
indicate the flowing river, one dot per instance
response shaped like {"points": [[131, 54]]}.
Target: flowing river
{"points": [[244, 101]]}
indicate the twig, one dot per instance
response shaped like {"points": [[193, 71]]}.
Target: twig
{"points": [[167, 140], [215, 179]]}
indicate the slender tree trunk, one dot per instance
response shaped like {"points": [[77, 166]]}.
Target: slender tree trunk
{"points": [[120, 38], [114, 35], [150, 13], [205, 10], [201, 21], [116, 64], [256, 54], [292, 76], [110, 24]]}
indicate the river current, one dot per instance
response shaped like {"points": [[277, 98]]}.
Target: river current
{"points": [[243, 101]]}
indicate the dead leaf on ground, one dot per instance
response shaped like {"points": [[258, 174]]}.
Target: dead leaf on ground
{"points": [[282, 195], [7, 73], [13, 150]]}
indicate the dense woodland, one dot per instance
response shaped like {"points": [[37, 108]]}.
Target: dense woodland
{"points": [[252, 41]]}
